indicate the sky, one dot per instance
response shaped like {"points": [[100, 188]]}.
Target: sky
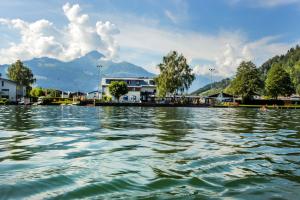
{"points": [[210, 34]]}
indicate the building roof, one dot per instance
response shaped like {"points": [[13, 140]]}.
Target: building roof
{"points": [[131, 81], [128, 78], [217, 95], [95, 91], [4, 79]]}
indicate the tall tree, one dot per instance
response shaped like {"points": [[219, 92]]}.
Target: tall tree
{"points": [[278, 82], [21, 74], [51, 93], [295, 76], [247, 81], [175, 74], [117, 89], [37, 92]]}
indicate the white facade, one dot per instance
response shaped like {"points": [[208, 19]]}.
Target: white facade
{"points": [[10, 91], [139, 88], [65, 94], [93, 95]]}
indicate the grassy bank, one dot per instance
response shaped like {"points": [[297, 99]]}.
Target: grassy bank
{"points": [[259, 106]]}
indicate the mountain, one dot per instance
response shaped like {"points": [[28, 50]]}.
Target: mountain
{"points": [[288, 60], [80, 74], [212, 87]]}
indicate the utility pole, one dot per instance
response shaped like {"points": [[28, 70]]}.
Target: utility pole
{"points": [[99, 80], [211, 71]]}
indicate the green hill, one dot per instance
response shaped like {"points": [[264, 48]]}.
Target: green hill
{"points": [[212, 88], [290, 62]]}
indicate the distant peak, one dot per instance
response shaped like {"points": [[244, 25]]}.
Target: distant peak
{"points": [[94, 54]]}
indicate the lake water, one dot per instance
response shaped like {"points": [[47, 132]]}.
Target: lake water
{"points": [[72, 152]]}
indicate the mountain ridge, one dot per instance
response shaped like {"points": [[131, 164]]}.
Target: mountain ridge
{"points": [[80, 73]]}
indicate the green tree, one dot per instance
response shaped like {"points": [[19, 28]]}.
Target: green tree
{"points": [[37, 92], [247, 81], [21, 74], [51, 92], [118, 88], [295, 76], [278, 82], [175, 74]]}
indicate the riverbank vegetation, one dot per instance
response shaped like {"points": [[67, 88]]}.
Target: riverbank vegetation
{"points": [[3, 101], [47, 92], [278, 76]]}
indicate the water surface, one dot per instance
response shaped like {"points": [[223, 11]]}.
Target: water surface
{"points": [[73, 152]]}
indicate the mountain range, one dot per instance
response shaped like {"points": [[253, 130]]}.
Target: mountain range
{"points": [[82, 74]]}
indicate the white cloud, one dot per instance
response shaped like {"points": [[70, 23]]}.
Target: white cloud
{"points": [[202, 69], [265, 3], [42, 38], [224, 51], [142, 41], [171, 16], [178, 11], [38, 77]]}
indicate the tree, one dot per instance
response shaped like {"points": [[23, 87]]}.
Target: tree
{"points": [[37, 92], [278, 82], [295, 76], [175, 74], [21, 74], [118, 88], [247, 81], [50, 93]]}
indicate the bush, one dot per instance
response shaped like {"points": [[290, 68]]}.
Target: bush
{"points": [[3, 101], [106, 98]]}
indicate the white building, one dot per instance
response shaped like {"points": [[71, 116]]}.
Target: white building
{"points": [[10, 91], [140, 89], [93, 95]]}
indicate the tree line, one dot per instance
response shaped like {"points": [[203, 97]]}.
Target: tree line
{"points": [[279, 76]]}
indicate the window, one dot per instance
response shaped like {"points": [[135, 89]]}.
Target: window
{"points": [[5, 90], [2, 83]]}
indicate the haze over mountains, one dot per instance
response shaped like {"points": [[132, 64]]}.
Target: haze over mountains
{"points": [[81, 74]]}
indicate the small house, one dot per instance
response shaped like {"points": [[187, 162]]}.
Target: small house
{"points": [[93, 95], [219, 97], [11, 91]]}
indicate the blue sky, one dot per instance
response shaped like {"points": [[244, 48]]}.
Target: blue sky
{"points": [[219, 33]]}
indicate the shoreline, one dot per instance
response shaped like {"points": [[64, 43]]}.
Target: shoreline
{"points": [[115, 104]]}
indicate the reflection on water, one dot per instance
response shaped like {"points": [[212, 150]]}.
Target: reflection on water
{"points": [[155, 153]]}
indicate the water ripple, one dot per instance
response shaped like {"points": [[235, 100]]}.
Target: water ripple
{"points": [[71, 152]]}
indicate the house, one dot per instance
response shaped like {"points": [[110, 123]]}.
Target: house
{"points": [[77, 95], [219, 97], [10, 90], [64, 94], [140, 89], [93, 95]]}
